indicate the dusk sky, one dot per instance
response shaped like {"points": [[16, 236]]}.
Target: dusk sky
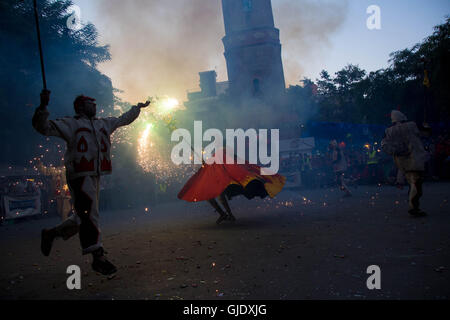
{"points": [[158, 47]]}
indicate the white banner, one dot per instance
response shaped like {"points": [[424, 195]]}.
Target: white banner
{"points": [[21, 206]]}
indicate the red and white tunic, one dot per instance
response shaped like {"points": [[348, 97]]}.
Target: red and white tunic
{"points": [[88, 140]]}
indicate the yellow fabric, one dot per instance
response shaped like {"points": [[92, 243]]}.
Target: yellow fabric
{"points": [[276, 186], [273, 188]]}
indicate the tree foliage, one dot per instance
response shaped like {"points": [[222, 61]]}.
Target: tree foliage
{"points": [[71, 58], [353, 95]]}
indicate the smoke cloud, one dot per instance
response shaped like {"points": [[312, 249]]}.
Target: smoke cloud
{"points": [[306, 27], [158, 47]]}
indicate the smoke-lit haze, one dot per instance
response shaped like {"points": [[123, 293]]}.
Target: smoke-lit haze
{"points": [[158, 47], [306, 27]]}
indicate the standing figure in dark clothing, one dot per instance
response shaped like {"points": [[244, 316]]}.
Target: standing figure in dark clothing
{"points": [[402, 141], [339, 166]]}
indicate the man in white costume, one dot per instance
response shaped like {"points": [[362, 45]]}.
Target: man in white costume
{"points": [[87, 158]]}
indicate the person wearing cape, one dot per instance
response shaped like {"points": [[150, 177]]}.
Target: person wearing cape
{"points": [[228, 179]]}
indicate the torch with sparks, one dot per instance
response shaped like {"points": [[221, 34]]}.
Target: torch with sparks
{"points": [[149, 131], [150, 154]]}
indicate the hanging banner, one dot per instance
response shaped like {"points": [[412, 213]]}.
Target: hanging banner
{"points": [[21, 206]]}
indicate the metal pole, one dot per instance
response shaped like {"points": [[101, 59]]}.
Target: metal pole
{"points": [[40, 45]]}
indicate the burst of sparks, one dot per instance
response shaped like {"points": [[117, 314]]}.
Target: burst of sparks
{"points": [[153, 156], [144, 148]]}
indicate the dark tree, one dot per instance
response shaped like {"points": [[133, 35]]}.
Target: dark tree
{"points": [[71, 58], [354, 96]]}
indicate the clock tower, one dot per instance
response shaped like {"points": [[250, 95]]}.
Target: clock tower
{"points": [[252, 49]]}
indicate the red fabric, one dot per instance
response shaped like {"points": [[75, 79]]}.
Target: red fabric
{"points": [[212, 179], [82, 145], [105, 165], [84, 165]]}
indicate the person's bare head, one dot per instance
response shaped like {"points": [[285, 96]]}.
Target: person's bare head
{"points": [[85, 106]]}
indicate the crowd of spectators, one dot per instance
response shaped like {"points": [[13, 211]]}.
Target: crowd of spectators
{"points": [[19, 186], [366, 163]]}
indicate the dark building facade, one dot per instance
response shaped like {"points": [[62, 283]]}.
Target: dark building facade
{"points": [[252, 49]]}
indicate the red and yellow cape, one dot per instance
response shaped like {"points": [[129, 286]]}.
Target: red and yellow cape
{"points": [[211, 180]]}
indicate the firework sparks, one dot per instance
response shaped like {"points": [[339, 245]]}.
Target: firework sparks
{"points": [[152, 157], [150, 135], [144, 146], [153, 154]]}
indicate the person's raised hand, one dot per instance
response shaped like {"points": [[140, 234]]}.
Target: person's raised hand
{"points": [[144, 105]]}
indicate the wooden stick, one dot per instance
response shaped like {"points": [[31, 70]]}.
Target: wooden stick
{"points": [[40, 45]]}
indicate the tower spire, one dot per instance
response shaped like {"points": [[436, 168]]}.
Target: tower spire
{"points": [[252, 48]]}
